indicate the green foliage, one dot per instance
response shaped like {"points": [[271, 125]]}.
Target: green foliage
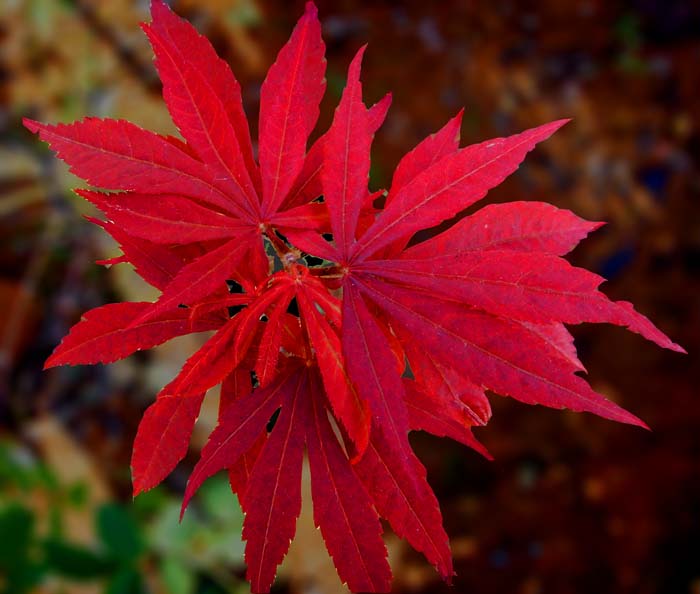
{"points": [[136, 545], [18, 568], [119, 533]]}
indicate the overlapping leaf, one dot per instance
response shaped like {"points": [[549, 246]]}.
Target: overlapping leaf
{"points": [[342, 358]]}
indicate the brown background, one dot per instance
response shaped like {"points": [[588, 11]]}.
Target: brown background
{"points": [[572, 503]]}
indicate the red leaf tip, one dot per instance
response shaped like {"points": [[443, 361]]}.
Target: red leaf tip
{"points": [[137, 488], [50, 363], [31, 125], [356, 65], [556, 124], [677, 348]]}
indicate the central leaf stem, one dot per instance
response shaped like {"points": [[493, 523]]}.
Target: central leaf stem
{"points": [[287, 255]]}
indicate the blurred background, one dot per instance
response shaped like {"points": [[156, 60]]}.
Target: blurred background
{"points": [[572, 503]]}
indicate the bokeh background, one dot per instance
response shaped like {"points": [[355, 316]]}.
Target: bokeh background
{"points": [[572, 503]]}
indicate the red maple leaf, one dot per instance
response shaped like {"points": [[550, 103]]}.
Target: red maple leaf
{"points": [[383, 337]]}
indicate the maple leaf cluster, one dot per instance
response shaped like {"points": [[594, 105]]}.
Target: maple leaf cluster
{"points": [[334, 334]]}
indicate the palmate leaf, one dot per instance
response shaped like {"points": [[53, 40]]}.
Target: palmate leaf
{"points": [[272, 498], [427, 153], [346, 161], [289, 100], [342, 509], [522, 226], [236, 385], [497, 353], [105, 334], [160, 218], [342, 359], [349, 408], [532, 287], [199, 107], [308, 186], [240, 425], [156, 264], [162, 439], [119, 155], [449, 186], [192, 50]]}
